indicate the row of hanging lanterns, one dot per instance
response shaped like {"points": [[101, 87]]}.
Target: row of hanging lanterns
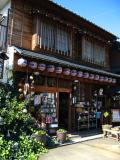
{"points": [[66, 71]]}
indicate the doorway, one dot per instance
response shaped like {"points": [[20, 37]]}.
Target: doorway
{"points": [[63, 110]]}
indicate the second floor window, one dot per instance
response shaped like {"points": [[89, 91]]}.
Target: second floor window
{"points": [[54, 36], [93, 52]]}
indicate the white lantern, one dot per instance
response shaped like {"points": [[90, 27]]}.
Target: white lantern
{"points": [[97, 77], [110, 80], [80, 74], [91, 76], [86, 75], [113, 80], [73, 72], [66, 71], [106, 79], [58, 70], [22, 62], [33, 65], [101, 79], [41, 67], [51, 68]]}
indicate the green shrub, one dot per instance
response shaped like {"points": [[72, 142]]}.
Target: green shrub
{"points": [[16, 128]]}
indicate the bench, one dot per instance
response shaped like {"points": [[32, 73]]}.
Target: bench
{"points": [[108, 132]]}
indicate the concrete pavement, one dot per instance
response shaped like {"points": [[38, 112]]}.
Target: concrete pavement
{"points": [[97, 149]]}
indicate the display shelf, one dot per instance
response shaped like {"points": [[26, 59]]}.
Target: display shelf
{"points": [[86, 118]]}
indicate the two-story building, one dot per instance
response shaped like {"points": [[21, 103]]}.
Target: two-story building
{"points": [[62, 60]]}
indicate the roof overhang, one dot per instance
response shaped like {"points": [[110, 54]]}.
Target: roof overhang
{"points": [[52, 59], [3, 3]]}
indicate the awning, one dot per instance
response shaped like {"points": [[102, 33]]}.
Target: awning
{"points": [[52, 59]]}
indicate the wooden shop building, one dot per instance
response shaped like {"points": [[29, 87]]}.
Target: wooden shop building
{"points": [[62, 60]]}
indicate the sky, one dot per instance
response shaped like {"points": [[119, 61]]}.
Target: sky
{"points": [[104, 13]]}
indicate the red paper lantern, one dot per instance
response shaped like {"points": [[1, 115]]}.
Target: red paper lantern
{"points": [[73, 72], [51, 68], [66, 71], [80, 74], [42, 67], [58, 70]]}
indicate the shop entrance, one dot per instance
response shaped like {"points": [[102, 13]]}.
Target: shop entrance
{"points": [[63, 110]]}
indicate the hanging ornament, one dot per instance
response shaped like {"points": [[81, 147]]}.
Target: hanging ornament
{"points": [[42, 67], [58, 70], [31, 77], [73, 72], [33, 65], [20, 90], [66, 71], [22, 62], [26, 88]]}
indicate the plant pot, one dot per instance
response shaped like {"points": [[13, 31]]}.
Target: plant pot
{"points": [[41, 138], [61, 136]]}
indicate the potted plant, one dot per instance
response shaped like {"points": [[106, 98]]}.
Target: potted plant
{"points": [[61, 135], [40, 135]]}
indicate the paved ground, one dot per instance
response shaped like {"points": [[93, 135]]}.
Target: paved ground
{"points": [[97, 149]]}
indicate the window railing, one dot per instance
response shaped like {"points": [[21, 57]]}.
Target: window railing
{"points": [[3, 32]]}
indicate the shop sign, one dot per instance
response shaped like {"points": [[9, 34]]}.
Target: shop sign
{"points": [[106, 114], [1, 67]]}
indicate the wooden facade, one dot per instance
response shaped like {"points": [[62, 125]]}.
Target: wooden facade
{"points": [[45, 33]]}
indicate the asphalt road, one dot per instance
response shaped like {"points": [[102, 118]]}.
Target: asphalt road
{"points": [[98, 149]]}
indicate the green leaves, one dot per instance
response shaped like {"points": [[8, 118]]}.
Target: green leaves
{"points": [[20, 125]]}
